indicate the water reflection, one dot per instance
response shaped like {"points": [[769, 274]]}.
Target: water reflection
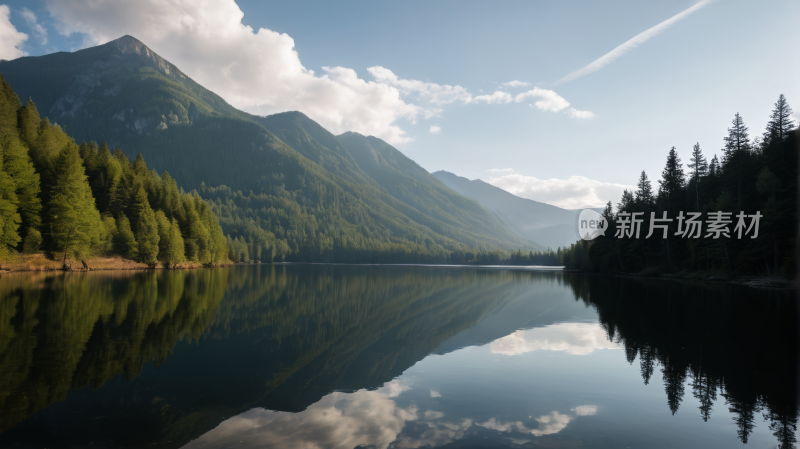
{"points": [[339, 420], [732, 344], [322, 356], [573, 338]]}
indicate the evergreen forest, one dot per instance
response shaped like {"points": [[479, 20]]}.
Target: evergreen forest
{"points": [[75, 202], [754, 175]]}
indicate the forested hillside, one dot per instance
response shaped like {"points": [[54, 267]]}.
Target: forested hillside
{"points": [[77, 202], [283, 187], [545, 224], [437, 206], [753, 176]]}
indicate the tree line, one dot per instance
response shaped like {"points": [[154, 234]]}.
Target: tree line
{"points": [[81, 201], [753, 175]]}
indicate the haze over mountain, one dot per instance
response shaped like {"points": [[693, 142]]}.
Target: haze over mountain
{"points": [[282, 184], [548, 225]]}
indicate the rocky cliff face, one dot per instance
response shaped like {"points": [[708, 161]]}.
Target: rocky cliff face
{"points": [[129, 45]]}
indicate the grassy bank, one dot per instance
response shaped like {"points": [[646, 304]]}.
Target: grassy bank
{"points": [[39, 262]]}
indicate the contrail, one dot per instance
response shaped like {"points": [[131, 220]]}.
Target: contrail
{"points": [[630, 44]]}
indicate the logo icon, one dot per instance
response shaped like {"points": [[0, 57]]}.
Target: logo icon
{"points": [[590, 224]]}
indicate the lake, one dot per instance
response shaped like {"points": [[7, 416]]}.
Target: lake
{"points": [[334, 356]]}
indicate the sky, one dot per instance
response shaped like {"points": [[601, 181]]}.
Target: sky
{"points": [[563, 102]]}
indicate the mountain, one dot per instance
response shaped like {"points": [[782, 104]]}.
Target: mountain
{"points": [[315, 143], [405, 180], [548, 225], [282, 185]]}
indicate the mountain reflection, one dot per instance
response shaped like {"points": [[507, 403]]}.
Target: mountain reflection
{"points": [[282, 338], [291, 356]]}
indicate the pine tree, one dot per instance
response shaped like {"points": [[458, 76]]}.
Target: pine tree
{"points": [[9, 107], [196, 236], [699, 168], [112, 233], [125, 243], [9, 212], [29, 121], [174, 253], [73, 221], [644, 193], [33, 241], [26, 182], [713, 166], [627, 202], [735, 155], [672, 182], [780, 122], [171, 250], [145, 228]]}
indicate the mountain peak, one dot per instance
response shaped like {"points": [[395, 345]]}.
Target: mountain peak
{"points": [[129, 45], [349, 133]]}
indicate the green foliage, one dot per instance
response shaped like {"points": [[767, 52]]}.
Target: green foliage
{"points": [[33, 241], [43, 173], [73, 221], [9, 211], [112, 233], [144, 221], [125, 242], [173, 251], [306, 195]]}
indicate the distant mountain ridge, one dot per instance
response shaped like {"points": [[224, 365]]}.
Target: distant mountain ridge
{"points": [[545, 224], [282, 184]]}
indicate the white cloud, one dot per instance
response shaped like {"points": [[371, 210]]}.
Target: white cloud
{"points": [[10, 39], [573, 338], [515, 83], [585, 410], [255, 70], [550, 101], [498, 97], [435, 394], [631, 44], [260, 71], [571, 193], [500, 170], [574, 113], [338, 420], [435, 129], [37, 28], [431, 92]]}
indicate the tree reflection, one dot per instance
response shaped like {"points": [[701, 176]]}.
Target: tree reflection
{"points": [[728, 341], [281, 338], [63, 332]]}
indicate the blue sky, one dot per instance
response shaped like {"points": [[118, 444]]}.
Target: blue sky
{"points": [[680, 86]]}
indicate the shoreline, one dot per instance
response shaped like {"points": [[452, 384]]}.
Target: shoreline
{"points": [[747, 280], [37, 263]]}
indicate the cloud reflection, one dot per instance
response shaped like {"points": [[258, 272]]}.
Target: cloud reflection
{"points": [[549, 424], [338, 420], [574, 338]]}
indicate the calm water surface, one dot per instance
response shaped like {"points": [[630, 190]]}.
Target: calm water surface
{"points": [[392, 357]]}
